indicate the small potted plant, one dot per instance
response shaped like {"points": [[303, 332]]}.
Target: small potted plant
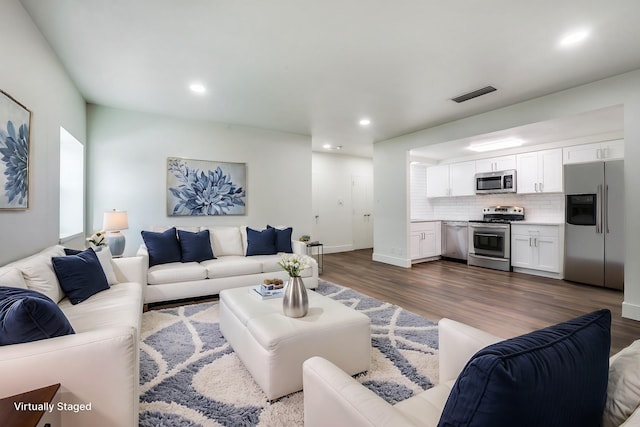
{"points": [[97, 240]]}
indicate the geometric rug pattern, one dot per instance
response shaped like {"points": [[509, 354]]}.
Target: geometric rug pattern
{"points": [[190, 376]]}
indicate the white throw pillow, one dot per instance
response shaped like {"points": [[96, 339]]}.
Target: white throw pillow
{"points": [[245, 240], [623, 389], [226, 241], [39, 276], [105, 258], [12, 277]]}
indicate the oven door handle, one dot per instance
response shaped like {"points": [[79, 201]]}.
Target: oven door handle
{"points": [[489, 257], [487, 235], [492, 226]]}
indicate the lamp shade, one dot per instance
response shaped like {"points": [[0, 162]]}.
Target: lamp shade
{"points": [[115, 220]]}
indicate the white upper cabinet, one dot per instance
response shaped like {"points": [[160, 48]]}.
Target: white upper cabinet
{"points": [[540, 171], [461, 178], [438, 181], [455, 179], [599, 151], [495, 164]]}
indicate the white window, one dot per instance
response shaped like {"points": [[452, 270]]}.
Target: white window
{"points": [[71, 186]]}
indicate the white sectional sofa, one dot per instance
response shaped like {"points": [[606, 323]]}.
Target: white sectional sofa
{"points": [[232, 267], [99, 363]]}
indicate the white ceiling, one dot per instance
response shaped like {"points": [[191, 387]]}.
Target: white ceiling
{"points": [[593, 126], [317, 67]]}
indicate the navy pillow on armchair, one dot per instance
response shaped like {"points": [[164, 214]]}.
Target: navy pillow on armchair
{"points": [[556, 376]]}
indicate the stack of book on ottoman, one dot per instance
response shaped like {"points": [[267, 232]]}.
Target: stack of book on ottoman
{"points": [[270, 288]]}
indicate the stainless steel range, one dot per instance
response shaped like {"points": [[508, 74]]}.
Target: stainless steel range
{"points": [[490, 238]]}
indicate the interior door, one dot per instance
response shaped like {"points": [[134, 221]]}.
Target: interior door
{"points": [[320, 200], [362, 199]]}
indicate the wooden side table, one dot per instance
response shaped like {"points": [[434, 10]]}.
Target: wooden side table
{"points": [[28, 409], [318, 248]]}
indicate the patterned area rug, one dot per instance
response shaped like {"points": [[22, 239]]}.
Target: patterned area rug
{"points": [[190, 376]]}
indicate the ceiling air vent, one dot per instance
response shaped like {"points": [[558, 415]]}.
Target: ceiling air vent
{"points": [[474, 94]]}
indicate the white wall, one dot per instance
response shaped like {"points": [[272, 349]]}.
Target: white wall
{"points": [[391, 203], [32, 74], [332, 198], [391, 165], [420, 206], [127, 170]]}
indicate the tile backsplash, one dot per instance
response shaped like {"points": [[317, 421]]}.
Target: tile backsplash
{"points": [[537, 207]]}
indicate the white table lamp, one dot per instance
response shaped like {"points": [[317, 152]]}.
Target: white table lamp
{"points": [[112, 223]]}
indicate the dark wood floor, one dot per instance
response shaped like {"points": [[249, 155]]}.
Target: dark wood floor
{"points": [[503, 303]]}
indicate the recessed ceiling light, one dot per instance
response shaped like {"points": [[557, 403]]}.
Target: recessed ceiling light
{"points": [[365, 122], [197, 88], [327, 146], [573, 38], [496, 145], [331, 147]]}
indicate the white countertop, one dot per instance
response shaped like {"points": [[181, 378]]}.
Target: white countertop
{"points": [[525, 222]]}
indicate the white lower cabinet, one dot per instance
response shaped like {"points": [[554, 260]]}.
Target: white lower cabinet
{"points": [[538, 248], [425, 238]]}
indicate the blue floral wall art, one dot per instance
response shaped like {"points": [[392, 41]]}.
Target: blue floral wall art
{"points": [[15, 120], [202, 187]]}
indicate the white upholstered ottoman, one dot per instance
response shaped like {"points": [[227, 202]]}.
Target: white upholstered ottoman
{"points": [[273, 346]]}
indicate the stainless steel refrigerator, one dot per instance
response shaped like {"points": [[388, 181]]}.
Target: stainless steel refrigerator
{"points": [[594, 228]]}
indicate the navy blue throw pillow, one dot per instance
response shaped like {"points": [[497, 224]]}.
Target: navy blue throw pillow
{"points": [[27, 315], [195, 247], [283, 239], [162, 247], [556, 376], [261, 242], [80, 276]]}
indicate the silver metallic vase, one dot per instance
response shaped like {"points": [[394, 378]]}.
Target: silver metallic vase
{"points": [[295, 302]]}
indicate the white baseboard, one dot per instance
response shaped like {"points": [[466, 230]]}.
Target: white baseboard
{"points": [[337, 248], [540, 273], [428, 259], [631, 311], [400, 262]]}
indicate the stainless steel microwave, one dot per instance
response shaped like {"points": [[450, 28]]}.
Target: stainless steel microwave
{"points": [[496, 182]]}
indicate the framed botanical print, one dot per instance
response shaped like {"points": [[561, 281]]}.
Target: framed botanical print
{"points": [[15, 124], [203, 187]]}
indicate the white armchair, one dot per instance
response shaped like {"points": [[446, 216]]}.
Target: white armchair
{"points": [[333, 398]]}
